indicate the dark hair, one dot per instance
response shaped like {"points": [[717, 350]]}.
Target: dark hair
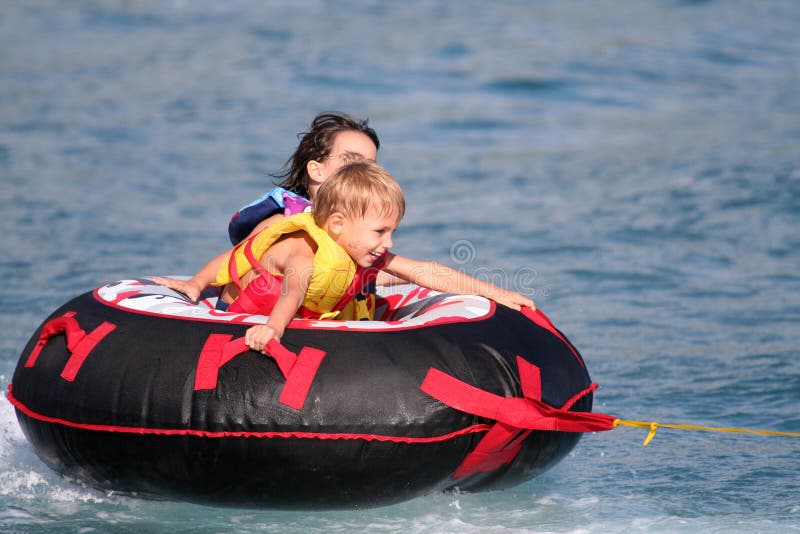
{"points": [[316, 144]]}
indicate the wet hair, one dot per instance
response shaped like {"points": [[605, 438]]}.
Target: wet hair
{"points": [[316, 144], [354, 188]]}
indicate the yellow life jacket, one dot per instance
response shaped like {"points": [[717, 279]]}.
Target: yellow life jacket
{"points": [[334, 269]]}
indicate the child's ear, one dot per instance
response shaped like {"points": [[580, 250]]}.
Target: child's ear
{"points": [[335, 224]]}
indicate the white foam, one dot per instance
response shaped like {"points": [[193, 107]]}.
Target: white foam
{"points": [[24, 475], [11, 436]]}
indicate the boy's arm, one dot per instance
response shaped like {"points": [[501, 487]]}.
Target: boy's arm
{"points": [[386, 279], [442, 278], [297, 271], [194, 286], [203, 278]]}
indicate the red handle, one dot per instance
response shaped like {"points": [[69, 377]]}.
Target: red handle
{"points": [[79, 343], [299, 369]]}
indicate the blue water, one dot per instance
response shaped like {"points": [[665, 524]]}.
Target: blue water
{"points": [[633, 166]]}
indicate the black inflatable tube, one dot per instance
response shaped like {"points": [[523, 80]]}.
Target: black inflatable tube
{"points": [[131, 419]]}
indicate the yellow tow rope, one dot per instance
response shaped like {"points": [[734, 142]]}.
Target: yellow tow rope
{"points": [[653, 426]]}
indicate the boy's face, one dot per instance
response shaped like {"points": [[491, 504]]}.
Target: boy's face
{"points": [[367, 239]]}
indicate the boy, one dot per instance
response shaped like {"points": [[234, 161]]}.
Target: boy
{"points": [[312, 264]]}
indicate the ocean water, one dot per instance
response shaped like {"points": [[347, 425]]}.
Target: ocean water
{"points": [[633, 166]]}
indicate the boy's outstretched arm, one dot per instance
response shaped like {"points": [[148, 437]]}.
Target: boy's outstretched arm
{"points": [[203, 278], [442, 278], [198, 283]]}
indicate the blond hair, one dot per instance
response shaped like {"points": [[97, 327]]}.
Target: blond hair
{"points": [[354, 188]]}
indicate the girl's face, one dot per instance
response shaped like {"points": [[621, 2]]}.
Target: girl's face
{"points": [[366, 239], [347, 147]]}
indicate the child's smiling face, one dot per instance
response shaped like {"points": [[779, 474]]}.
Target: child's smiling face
{"points": [[367, 239]]}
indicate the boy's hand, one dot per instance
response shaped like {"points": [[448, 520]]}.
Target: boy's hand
{"points": [[258, 336], [512, 299], [187, 287]]}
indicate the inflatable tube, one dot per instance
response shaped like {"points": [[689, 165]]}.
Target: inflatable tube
{"points": [[132, 388]]}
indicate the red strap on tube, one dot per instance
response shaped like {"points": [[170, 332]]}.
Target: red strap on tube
{"points": [[299, 369], [79, 343], [516, 416]]}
